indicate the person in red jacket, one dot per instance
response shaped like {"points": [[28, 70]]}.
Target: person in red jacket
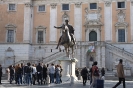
{"points": [[95, 74]]}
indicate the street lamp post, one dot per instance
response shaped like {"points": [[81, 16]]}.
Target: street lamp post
{"points": [[14, 60]]}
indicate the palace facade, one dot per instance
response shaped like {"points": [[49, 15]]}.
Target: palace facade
{"points": [[103, 31]]}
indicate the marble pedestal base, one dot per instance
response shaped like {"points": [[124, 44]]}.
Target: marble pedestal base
{"points": [[68, 66]]}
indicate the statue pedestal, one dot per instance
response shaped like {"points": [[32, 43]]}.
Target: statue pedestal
{"points": [[68, 66]]}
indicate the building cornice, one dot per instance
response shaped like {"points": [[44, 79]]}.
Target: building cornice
{"points": [[59, 1]]}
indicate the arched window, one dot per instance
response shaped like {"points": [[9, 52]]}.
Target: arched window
{"points": [[92, 36]]}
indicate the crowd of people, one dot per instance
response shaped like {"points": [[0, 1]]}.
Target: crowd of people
{"points": [[95, 75], [42, 74], [91, 74], [34, 74]]}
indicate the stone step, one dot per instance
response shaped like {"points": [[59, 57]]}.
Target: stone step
{"points": [[127, 78], [4, 77]]}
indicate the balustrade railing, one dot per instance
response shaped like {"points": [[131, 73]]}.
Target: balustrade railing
{"points": [[113, 48], [46, 59], [53, 57], [79, 43], [122, 51], [27, 61]]}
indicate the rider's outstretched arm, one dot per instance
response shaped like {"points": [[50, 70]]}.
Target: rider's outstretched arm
{"points": [[58, 27]]}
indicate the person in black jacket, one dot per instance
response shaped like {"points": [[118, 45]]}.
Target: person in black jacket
{"points": [[25, 78], [77, 72], [39, 73], [11, 68], [0, 73], [44, 73], [19, 74], [102, 72], [84, 73]]}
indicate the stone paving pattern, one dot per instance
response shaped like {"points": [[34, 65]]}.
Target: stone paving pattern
{"points": [[107, 84]]}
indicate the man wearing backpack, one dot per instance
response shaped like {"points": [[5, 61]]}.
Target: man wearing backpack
{"points": [[95, 74]]}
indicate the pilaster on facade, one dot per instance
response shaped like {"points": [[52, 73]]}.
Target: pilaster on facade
{"points": [[78, 21], [103, 57], [53, 22], [27, 22], [131, 19], [108, 21]]}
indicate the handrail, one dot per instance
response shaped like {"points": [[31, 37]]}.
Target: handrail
{"points": [[110, 46], [26, 61], [37, 60], [50, 55], [120, 49]]}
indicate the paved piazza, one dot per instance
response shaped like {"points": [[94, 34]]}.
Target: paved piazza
{"points": [[108, 84]]}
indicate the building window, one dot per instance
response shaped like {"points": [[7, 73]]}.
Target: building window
{"points": [[92, 36], [65, 6], [93, 5], [10, 36], [41, 8], [121, 35], [40, 36], [120, 4], [12, 7]]}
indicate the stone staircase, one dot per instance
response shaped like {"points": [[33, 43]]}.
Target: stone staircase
{"points": [[54, 57], [49, 59], [116, 50], [4, 77], [119, 51], [110, 75]]}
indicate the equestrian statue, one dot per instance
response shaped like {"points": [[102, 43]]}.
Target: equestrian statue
{"points": [[67, 38]]}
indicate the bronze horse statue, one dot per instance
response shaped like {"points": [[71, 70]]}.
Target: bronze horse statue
{"points": [[68, 43]]}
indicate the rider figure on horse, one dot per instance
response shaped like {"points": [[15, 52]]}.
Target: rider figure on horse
{"points": [[71, 31]]}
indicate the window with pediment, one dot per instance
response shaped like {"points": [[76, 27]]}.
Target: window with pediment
{"points": [[10, 36], [40, 34], [11, 32], [40, 38]]}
